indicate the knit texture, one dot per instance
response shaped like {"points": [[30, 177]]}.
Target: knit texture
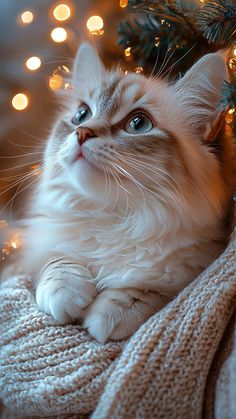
{"points": [[168, 369]]}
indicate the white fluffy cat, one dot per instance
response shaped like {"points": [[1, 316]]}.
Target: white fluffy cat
{"points": [[131, 204]]}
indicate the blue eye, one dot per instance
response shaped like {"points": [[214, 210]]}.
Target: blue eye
{"points": [[138, 124], [82, 114]]}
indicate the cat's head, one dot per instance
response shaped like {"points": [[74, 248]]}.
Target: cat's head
{"points": [[132, 138]]}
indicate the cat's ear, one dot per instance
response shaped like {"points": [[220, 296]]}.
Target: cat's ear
{"points": [[199, 92], [88, 68]]}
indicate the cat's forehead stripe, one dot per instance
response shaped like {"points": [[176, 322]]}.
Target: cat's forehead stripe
{"points": [[116, 94]]}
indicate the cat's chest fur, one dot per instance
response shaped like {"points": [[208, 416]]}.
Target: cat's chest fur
{"points": [[133, 251]]}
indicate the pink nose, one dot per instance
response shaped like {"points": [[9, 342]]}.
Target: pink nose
{"points": [[84, 134]]}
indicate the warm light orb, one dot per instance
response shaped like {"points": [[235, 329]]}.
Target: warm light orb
{"points": [[127, 52], [59, 35], [62, 12], [33, 63], [94, 23], [20, 101], [138, 70], [235, 52], [27, 17], [123, 3], [55, 81]]}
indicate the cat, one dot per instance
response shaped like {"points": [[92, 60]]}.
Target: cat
{"points": [[131, 203]]}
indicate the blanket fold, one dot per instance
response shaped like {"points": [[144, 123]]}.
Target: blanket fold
{"points": [[163, 371]]}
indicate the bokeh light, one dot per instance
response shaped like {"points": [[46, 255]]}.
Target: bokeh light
{"points": [[55, 81], [20, 101], [33, 63], [123, 3], [95, 25], [27, 17], [62, 12], [59, 35], [127, 52]]}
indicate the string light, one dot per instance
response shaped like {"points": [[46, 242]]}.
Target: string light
{"points": [[123, 3], [232, 64], [33, 63], [13, 244], [127, 52], [138, 70], [95, 25], [58, 34], [62, 12], [20, 101], [27, 17], [235, 52], [64, 67], [157, 41], [229, 117]]}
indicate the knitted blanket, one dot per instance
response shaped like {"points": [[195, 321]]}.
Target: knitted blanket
{"points": [[180, 364]]}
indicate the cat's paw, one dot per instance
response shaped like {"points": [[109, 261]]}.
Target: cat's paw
{"points": [[65, 294], [116, 314]]}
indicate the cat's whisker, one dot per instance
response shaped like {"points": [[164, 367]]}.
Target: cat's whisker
{"points": [[27, 186], [164, 191], [181, 58], [164, 63], [21, 165], [117, 179], [14, 184], [20, 155], [121, 185], [20, 146], [154, 67], [139, 185], [34, 137], [153, 169]]}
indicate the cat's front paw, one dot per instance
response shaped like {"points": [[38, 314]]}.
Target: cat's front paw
{"points": [[65, 294], [116, 314]]}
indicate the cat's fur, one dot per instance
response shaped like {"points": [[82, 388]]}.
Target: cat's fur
{"points": [[115, 235]]}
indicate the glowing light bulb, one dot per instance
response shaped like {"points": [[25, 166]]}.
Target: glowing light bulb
{"points": [[33, 63], [235, 52], [62, 12], [27, 17], [20, 101], [123, 3], [59, 35], [127, 52], [231, 111], [95, 25]]}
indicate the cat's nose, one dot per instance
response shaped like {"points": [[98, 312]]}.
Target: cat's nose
{"points": [[84, 134]]}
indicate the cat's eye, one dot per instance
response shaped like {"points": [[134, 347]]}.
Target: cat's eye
{"points": [[82, 114], [138, 123]]}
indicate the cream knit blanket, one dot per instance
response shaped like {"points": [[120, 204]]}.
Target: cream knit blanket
{"points": [[180, 364]]}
